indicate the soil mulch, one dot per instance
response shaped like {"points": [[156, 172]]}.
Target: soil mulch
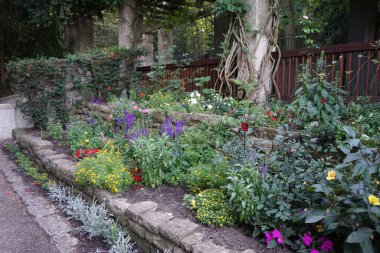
{"points": [[170, 199]]}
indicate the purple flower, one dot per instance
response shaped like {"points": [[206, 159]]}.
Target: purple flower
{"points": [[99, 100], [265, 170], [178, 127], [144, 132], [166, 127], [314, 251], [327, 245], [307, 239], [92, 101], [118, 121], [276, 233], [279, 240], [129, 120], [268, 237], [133, 136]]}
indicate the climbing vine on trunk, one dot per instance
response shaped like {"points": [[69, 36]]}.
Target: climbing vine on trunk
{"points": [[247, 61]]}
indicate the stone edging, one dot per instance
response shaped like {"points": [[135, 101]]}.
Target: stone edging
{"points": [[146, 224]]}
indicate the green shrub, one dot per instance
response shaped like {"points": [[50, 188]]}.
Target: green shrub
{"points": [[155, 156], [347, 197], [106, 171], [205, 176], [211, 207], [55, 129], [245, 189]]}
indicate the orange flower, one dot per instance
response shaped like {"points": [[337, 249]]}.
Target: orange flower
{"points": [[142, 94]]}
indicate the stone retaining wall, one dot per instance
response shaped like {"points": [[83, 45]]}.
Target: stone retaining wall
{"points": [[150, 228], [11, 117]]}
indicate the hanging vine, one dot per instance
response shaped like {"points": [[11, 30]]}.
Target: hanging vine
{"points": [[237, 65]]}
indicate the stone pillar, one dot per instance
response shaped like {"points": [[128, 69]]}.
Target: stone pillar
{"points": [[165, 46], [125, 26], [147, 44]]}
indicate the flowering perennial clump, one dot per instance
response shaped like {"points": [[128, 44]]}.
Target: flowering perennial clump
{"points": [[105, 171]]}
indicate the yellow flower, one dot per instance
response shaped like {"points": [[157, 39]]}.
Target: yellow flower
{"points": [[373, 200], [331, 175], [193, 203], [319, 228]]}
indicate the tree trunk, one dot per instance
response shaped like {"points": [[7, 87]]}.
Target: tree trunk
{"points": [[260, 48], [80, 35], [165, 46], [290, 28], [362, 20], [130, 23]]}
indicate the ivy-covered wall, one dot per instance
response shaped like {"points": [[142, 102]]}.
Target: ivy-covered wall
{"points": [[51, 86]]}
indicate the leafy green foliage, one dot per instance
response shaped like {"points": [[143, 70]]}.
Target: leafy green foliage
{"points": [[347, 199], [55, 129], [155, 155], [42, 82], [29, 167], [318, 99], [238, 7], [244, 188], [205, 176], [82, 135]]}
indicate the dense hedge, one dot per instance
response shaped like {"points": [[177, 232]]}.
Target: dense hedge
{"points": [[47, 82]]}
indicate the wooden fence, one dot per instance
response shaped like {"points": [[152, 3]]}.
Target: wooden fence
{"points": [[357, 67]]}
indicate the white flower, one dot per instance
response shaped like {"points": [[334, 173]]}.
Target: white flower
{"points": [[365, 137], [314, 123], [193, 101], [371, 114], [305, 17], [360, 117], [209, 107]]}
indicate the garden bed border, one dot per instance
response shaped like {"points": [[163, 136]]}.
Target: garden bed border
{"points": [[151, 229]]}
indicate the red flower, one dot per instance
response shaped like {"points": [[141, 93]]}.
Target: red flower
{"points": [[274, 119], [94, 151], [137, 178], [142, 94], [78, 153], [87, 152], [137, 186], [244, 126], [268, 113], [139, 170], [323, 101]]}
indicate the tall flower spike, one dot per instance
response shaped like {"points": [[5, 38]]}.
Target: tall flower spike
{"points": [[92, 101], [99, 100]]}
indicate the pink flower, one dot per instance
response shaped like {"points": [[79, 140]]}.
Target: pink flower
{"points": [[276, 234], [135, 107], [314, 251], [280, 240], [145, 111], [327, 245], [246, 116], [307, 239], [268, 237]]}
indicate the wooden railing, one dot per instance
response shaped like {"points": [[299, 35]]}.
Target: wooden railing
{"points": [[357, 67]]}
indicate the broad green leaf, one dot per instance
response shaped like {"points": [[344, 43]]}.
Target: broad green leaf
{"points": [[357, 210], [359, 236], [272, 244], [366, 246], [349, 131], [315, 216]]}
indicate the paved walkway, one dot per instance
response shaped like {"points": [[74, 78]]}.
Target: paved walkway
{"points": [[28, 223]]}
